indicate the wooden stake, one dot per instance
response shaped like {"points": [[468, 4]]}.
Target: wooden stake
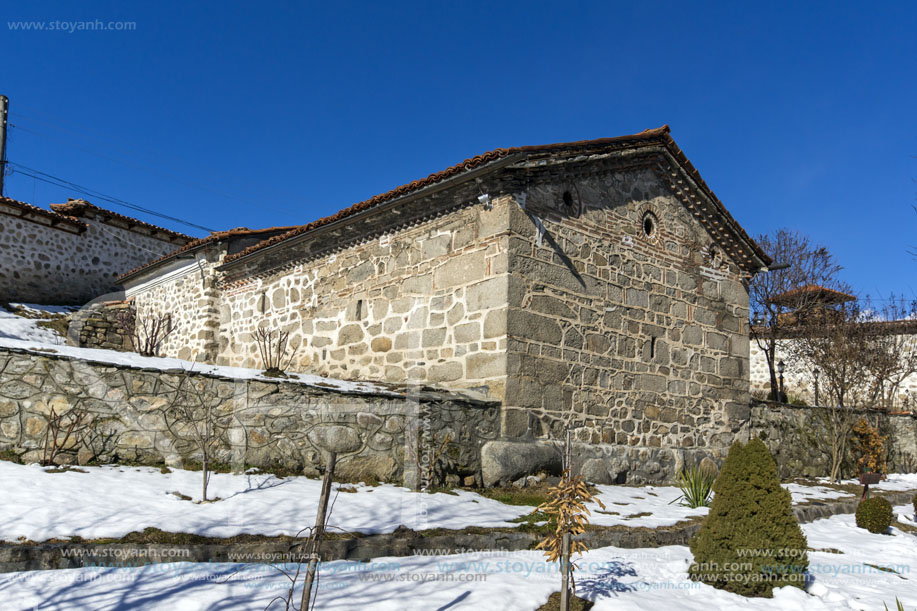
{"points": [[318, 531], [565, 573], [565, 540]]}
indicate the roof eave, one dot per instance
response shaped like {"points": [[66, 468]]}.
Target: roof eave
{"points": [[378, 209]]}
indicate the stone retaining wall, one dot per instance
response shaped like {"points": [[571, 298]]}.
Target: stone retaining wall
{"points": [[98, 326], [383, 434], [799, 439]]}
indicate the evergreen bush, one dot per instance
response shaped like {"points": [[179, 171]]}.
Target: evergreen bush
{"points": [[875, 515], [750, 542]]}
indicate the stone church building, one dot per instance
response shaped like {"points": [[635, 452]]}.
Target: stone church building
{"points": [[598, 285]]}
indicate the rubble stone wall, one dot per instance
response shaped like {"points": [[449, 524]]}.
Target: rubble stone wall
{"points": [[425, 305], [800, 441], [634, 341], [188, 295], [381, 435], [99, 326], [44, 264], [800, 383]]}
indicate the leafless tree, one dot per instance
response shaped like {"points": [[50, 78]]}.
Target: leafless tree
{"points": [[145, 330], [806, 264], [838, 343], [893, 355], [200, 420]]}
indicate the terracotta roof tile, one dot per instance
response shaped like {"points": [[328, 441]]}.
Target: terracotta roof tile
{"points": [[661, 134], [216, 236], [820, 293], [54, 216], [80, 207]]}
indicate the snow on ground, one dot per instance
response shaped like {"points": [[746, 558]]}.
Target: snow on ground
{"points": [[893, 482], [41, 505], [804, 494], [112, 501], [625, 505], [616, 579], [25, 328]]}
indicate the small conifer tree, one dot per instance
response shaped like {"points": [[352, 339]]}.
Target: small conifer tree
{"points": [[750, 542]]}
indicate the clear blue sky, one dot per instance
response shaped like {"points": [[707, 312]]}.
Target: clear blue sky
{"points": [[800, 116]]}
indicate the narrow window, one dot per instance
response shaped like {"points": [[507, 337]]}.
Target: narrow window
{"points": [[649, 225]]}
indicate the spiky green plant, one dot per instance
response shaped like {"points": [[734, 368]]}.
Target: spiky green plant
{"points": [[696, 485], [898, 602]]}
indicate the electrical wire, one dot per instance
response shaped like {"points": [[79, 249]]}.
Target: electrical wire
{"points": [[66, 184], [140, 165]]}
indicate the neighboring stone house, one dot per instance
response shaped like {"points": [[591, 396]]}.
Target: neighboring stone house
{"points": [[72, 253], [799, 377], [597, 285]]}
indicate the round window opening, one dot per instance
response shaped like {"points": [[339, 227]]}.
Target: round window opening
{"points": [[649, 225]]}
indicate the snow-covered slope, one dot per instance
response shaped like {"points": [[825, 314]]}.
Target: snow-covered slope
{"points": [[25, 327]]}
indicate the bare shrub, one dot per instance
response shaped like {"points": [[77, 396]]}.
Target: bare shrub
{"points": [[99, 441], [146, 331], [63, 432], [274, 347]]}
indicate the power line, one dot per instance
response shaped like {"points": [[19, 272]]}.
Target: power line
{"points": [[139, 164], [66, 184], [126, 156]]}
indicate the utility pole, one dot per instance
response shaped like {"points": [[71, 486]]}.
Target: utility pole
{"points": [[4, 108]]}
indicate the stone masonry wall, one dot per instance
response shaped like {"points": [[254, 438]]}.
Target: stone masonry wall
{"points": [[47, 265], [798, 438], [631, 340], [190, 298], [425, 305], [98, 326], [273, 423], [799, 382]]}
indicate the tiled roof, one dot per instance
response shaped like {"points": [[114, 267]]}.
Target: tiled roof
{"points": [[80, 208], [660, 135], [54, 217], [214, 237], [813, 291]]}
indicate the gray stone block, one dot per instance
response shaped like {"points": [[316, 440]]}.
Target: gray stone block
{"points": [[505, 461]]}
